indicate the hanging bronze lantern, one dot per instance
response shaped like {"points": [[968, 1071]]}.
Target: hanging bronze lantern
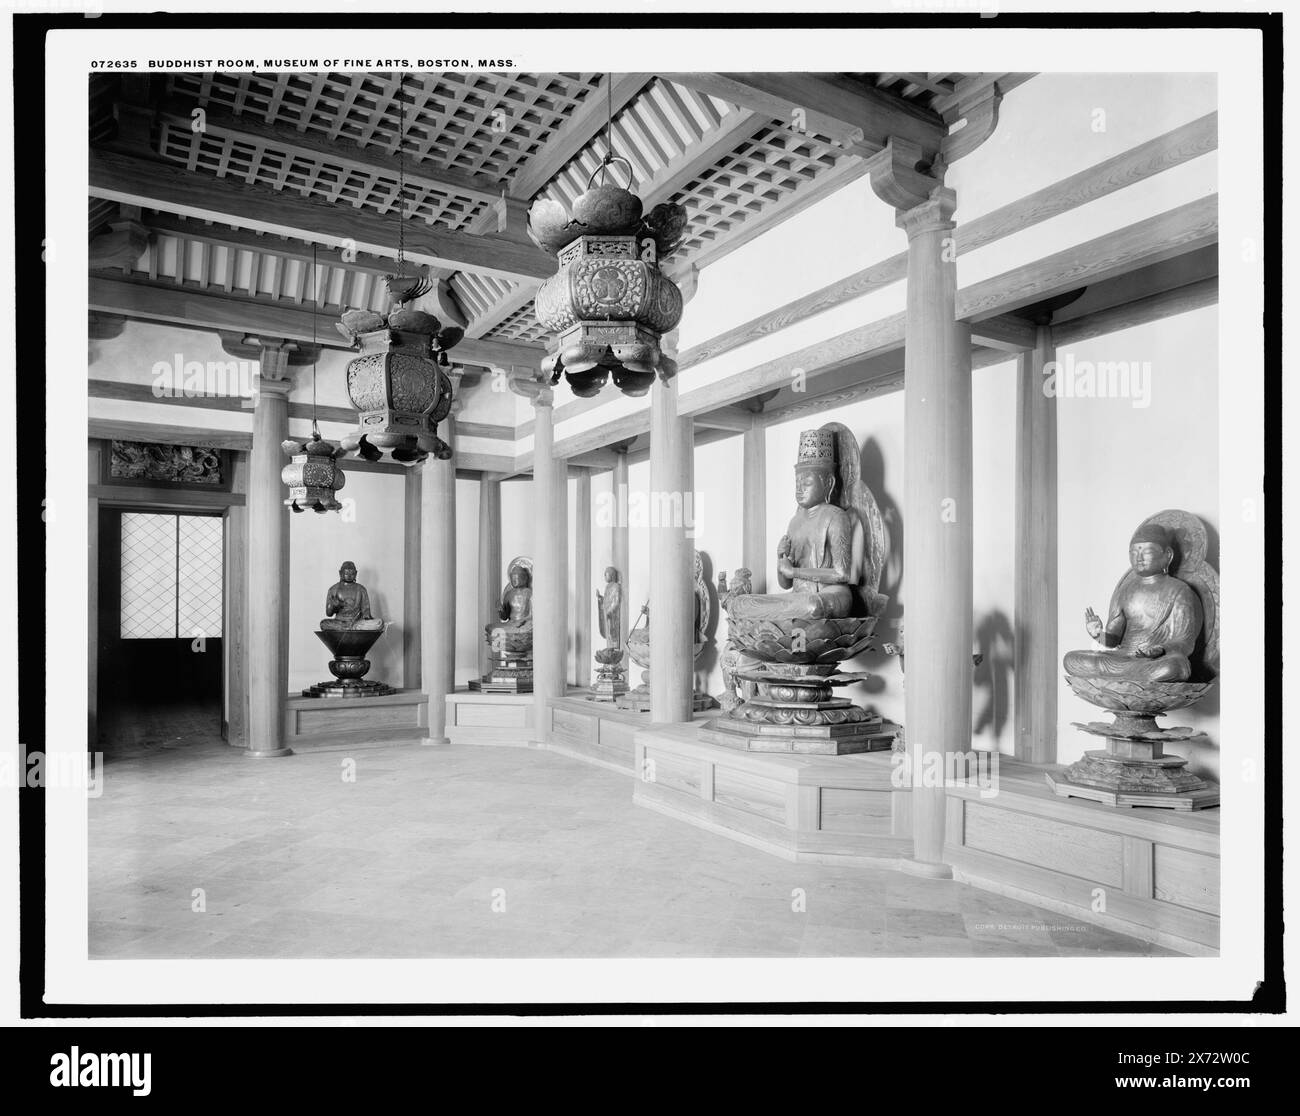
{"points": [[397, 383], [314, 474], [608, 305]]}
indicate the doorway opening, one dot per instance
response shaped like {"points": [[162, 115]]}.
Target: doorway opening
{"points": [[160, 672]]}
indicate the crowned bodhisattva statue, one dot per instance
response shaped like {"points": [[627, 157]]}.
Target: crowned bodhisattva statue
{"points": [[611, 677], [510, 635], [1159, 652], [349, 631], [786, 647]]}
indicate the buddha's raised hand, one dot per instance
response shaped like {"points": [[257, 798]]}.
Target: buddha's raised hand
{"points": [[1092, 622]]}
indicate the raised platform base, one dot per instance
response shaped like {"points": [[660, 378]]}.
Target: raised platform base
{"points": [[474, 717], [355, 721], [811, 740], [598, 732], [1150, 873], [804, 808]]}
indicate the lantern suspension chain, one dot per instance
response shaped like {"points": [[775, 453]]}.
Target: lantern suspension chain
{"points": [[315, 352], [401, 176]]}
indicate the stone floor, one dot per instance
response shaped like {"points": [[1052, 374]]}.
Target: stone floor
{"points": [[481, 852]]}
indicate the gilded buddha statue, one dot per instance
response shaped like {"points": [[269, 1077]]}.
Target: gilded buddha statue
{"points": [[1160, 652], [349, 631], [347, 604], [510, 635], [1153, 622], [516, 610]]}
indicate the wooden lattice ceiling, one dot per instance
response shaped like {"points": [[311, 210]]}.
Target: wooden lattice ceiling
{"points": [[726, 146]]}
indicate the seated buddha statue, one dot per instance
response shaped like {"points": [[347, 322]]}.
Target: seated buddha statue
{"points": [[814, 557], [1154, 619], [347, 604], [516, 611]]}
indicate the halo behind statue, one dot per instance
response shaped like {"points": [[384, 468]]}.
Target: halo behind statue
{"points": [[869, 540], [522, 562]]}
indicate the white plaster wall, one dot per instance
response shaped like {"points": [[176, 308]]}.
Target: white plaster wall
{"points": [[371, 535], [1056, 125], [1119, 464]]}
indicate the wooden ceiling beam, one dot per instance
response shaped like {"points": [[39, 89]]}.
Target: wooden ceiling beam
{"points": [[169, 186], [852, 114], [164, 302], [221, 236], [585, 123]]}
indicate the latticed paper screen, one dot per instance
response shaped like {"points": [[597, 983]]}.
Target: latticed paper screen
{"points": [[198, 577], [171, 576]]}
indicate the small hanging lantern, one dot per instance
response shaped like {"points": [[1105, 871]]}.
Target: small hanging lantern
{"points": [[397, 383], [314, 473], [608, 305]]}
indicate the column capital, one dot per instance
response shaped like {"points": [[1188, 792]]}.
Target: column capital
{"points": [[900, 176], [273, 389], [686, 277], [932, 215]]}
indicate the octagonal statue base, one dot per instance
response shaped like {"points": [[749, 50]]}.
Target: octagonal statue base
{"points": [[1134, 770]]}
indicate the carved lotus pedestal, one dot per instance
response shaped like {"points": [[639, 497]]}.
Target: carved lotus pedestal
{"points": [[349, 665], [638, 700], [790, 705], [1134, 770], [611, 678], [512, 663]]}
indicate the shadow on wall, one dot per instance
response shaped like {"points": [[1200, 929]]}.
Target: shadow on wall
{"points": [[995, 641], [872, 467]]}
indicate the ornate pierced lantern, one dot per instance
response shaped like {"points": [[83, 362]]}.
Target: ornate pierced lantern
{"points": [[314, 474], [397, 383], [608, 305]]}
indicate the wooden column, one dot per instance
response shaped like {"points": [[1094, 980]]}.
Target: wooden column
{"points": [[490, 579], [236, 608], [938, 544], [411, 582], [583, 584], [438, 585], [268, 560], [550, 574], [97, 451], [754, 508], [620, 548], [1036, 656], [672, 601]]}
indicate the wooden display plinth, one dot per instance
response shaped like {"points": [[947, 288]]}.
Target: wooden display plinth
{"points": [[475, 717], [804, 808], [595, 731], [1150, 873], [312, 722]]}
